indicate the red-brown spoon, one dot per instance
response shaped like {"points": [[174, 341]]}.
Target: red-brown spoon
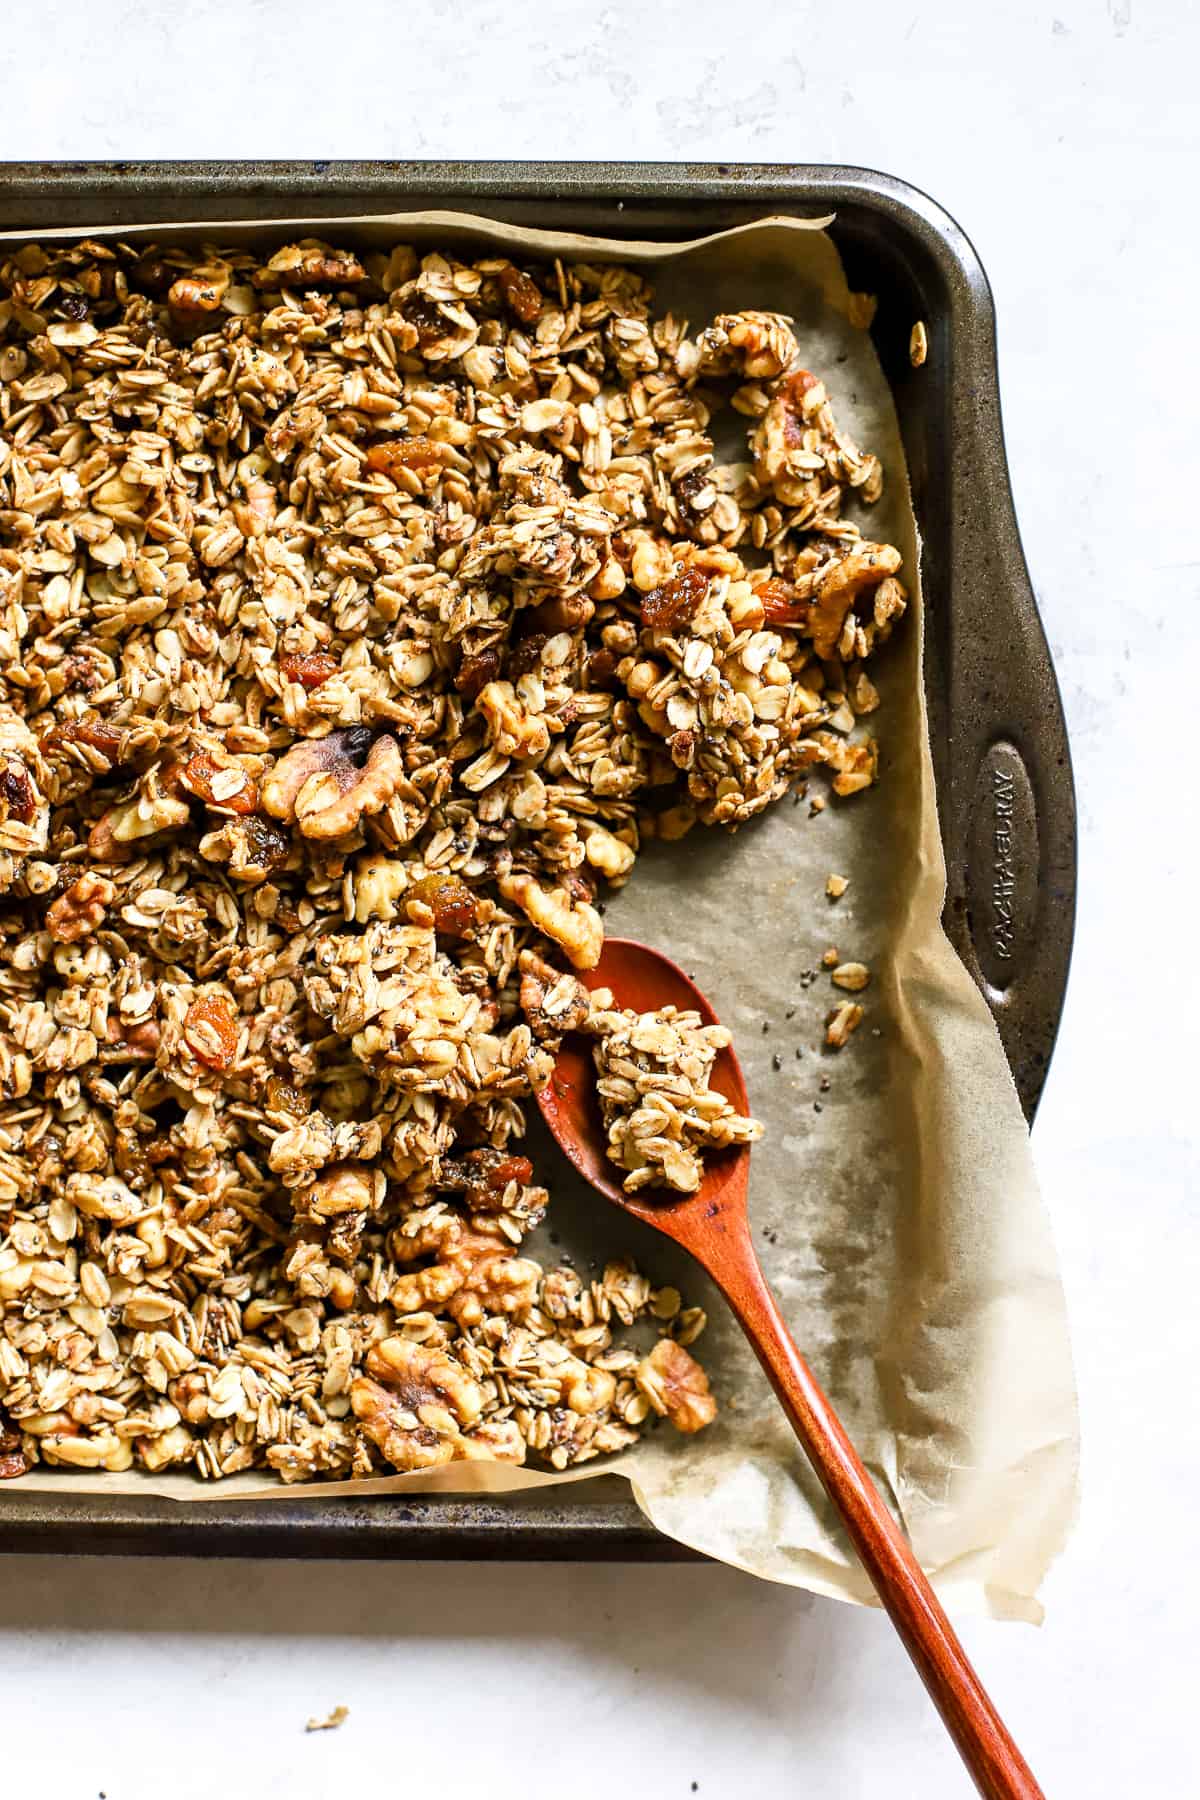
{"points": [[712, 1224]]}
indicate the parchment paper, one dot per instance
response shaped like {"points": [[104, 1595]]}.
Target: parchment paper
{"points": [[897, 1213]]}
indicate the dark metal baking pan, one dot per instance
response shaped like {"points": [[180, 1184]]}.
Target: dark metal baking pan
{"points": [[1006, 799]]}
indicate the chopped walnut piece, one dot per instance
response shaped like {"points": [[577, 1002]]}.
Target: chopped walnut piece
{"points": [[80, 910], [864, 567], [310, 264], [676, 1386], [553, 1002], [841, 1022], [514, 727], [575, 925], [853, 976]]}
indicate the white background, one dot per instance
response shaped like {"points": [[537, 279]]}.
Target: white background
{"points": [[1063, 136]]}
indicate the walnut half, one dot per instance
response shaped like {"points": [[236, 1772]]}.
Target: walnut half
{"points": [[80, 910], [327, 785], [676, 1386], [414, 1403]]}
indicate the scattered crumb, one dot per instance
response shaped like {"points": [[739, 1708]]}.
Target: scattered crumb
{"points": [[853, 976], [860, 310], [816, 805], [836, 886], [841, 1022], [337, 1717], [918, 344], [831, 957]]}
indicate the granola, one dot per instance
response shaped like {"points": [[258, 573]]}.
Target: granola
{"points": [[652, 1077], [360, 619]]}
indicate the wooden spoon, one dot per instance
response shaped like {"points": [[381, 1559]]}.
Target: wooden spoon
{"points": [[713, 1225]]}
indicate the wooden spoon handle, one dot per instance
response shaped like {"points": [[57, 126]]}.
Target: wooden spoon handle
{"points": [[999, 1769]]}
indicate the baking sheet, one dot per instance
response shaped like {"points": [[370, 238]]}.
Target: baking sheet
{"points": [[900, 1223]]}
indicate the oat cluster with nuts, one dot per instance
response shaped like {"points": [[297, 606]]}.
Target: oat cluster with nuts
{"points": [[653, 1072], [359, 618]]}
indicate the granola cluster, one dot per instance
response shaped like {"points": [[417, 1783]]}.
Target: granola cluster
{"points": [[359, 620], [653, 1072]]}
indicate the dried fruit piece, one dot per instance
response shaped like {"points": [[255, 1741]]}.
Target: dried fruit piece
{"points": [[224, 786], [13, 1461], [282, 1097], [474, 673], [417, 453], [677, 599], [96, 733], [210, 1029], [781, 603], [18, 795], [311, 669], [149, 275], [522, 296], [453, 905], [483, 1175], [201, 290], [427, 316]]}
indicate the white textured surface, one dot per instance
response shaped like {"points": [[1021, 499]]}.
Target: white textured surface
{"points": [[1064, 137]]}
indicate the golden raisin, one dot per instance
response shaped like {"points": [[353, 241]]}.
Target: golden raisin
{"points": [[676, 600], [283, 1097], [214, 783], [311, 670], [210, 1029], [450, 901], [96, 733], [488, 1172], [781, 604], [417, 453], [522, 296]]}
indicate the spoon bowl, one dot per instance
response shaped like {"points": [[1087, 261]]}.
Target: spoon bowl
{"points": [[713, 1225], [640, 979]]}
